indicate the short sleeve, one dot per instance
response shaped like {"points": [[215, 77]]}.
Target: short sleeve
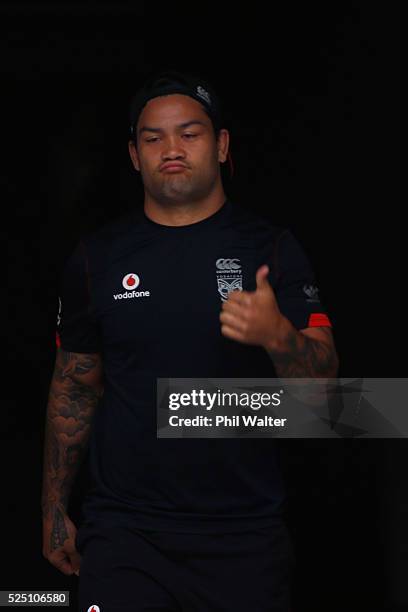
{"points": [[77, 328], [296, 289]]}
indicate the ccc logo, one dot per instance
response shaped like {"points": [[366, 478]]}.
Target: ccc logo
{"points": [[228, 264]]}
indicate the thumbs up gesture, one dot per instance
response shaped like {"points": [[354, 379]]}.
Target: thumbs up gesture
{"points": [[253, 317]]}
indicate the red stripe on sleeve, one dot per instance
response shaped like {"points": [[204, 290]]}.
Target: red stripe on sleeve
{"points": [[57, 339], [317, 319]]}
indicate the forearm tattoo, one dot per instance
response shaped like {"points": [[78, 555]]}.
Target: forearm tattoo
{"points": [[306, 358], [58, 532], [74, 394]]}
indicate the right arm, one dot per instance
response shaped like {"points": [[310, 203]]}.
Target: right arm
{"points": [[76, 388]]}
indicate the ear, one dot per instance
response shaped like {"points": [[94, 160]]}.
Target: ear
{"points": [[223, 144], [133, 155]]}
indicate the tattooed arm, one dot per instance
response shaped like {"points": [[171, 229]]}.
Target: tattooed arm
{"points": [[75, 390], [308, 353]]}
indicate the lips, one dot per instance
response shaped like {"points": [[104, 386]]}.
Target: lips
{"points": [[172, 166]]}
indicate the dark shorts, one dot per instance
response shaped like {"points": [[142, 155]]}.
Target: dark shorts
{"points": [[124, 569]]}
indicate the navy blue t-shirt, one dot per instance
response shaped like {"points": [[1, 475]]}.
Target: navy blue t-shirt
{"points": [[148, 298]]}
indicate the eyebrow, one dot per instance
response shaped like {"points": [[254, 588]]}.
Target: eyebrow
{"points": [[146, 128]]}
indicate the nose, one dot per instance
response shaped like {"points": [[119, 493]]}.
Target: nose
{"points": [[172, 149]]}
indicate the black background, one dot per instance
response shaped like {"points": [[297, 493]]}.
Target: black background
{"points": [[304, 89]]}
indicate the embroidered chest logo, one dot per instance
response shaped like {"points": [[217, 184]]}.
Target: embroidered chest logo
{"points": [[312, 293], [229, 276], [130, 281], [59, 312]]}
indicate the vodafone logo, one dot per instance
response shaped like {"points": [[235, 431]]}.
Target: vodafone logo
{"points": [[131, 281], [94, 609]]}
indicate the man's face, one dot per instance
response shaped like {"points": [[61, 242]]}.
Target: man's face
{"points": [[175, 128]]}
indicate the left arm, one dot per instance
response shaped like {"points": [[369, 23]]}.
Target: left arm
{"points": [[307, 353]]}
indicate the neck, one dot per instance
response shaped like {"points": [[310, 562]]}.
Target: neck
{"points": [[182, 213]]}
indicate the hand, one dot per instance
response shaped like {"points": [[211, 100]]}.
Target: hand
{"points": [[59, 542], [253, 317]]}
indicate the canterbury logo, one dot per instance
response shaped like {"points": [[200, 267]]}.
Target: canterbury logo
{"points": [[203, 94], [228, 264]]}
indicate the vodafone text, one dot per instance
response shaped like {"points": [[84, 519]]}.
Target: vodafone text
{"points": [[131, 294]]}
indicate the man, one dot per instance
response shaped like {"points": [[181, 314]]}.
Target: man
{"points": [[193, 286]]}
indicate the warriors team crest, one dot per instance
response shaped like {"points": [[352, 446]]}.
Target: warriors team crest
{"points": [[312, 293], [229, 276]]}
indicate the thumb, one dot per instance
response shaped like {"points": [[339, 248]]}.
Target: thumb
{"points": [[75, 559], [262, 277]]}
